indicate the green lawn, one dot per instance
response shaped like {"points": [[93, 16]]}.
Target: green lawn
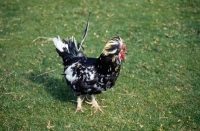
{"points": [[159, 84]]}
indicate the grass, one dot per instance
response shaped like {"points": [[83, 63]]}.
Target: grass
{"points": [[159, 84]]}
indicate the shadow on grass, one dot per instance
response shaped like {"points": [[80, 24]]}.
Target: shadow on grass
{"points": [[57, 87]]}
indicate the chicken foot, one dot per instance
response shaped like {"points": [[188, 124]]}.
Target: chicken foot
{"points": [[79, 104], [94, 104]]}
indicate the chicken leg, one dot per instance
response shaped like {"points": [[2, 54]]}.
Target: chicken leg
{"points": [[79, 103], [94, 104]]}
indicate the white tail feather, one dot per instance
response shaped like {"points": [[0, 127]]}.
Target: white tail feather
{"points": [[59, 44]]}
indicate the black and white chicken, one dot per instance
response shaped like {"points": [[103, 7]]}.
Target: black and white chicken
{"points": [[86, 75]]}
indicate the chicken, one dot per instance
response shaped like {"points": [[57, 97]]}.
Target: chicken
{"points": [[86, 75], [90, 75]]}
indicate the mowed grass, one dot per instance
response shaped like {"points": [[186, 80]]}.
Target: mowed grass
{"points": [[159, 84]]}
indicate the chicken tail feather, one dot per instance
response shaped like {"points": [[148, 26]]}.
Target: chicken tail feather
{"points": [[67, 49]]}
